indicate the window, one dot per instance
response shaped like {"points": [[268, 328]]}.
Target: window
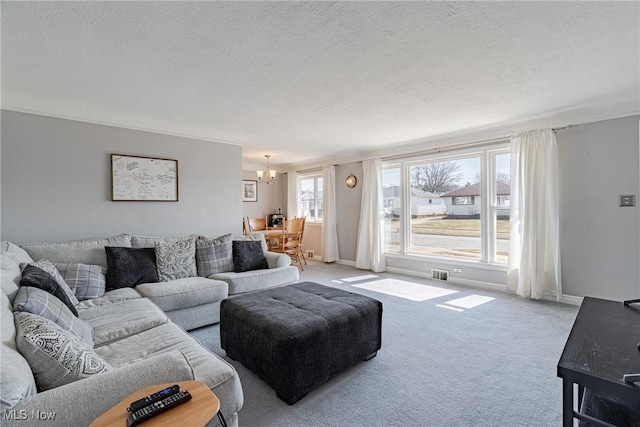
{"points": [[454, 206], [310, 193], [463, 200], [392, 207]]}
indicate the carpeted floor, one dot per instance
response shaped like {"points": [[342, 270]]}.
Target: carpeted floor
{"points": [[451, 356]]}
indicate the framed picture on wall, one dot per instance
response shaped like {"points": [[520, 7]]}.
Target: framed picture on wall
{"points": [[146, 179], [249, 191]]}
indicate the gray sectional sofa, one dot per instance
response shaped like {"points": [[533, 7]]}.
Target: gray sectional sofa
{"points": [[137, 336]]}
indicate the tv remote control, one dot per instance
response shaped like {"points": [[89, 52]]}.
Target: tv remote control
{"points": [[152, 398], [158, 408]]}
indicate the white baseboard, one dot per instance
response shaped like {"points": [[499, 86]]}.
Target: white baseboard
{"points": [[454, 280], [570, 299], [565, 299]]}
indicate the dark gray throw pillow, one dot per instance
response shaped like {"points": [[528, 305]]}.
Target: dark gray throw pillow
{"points": [[128, 267], [38, 278], [248, 255]]}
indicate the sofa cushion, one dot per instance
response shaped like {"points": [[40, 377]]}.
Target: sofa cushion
{"points": [[50, 268], [247, 256], [10, 275], [36, 301], [181, 293], [16, 378], [87, 251], [176, 259], [110, 297], [214, 255], [37, 277], [112, 322], [56, 356], [258, 279], [15, 252], [218, 374], [86, 281], [128, 267]]}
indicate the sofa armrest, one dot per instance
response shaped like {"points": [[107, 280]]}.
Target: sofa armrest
{"points": [[275, 259], [80, 402]]}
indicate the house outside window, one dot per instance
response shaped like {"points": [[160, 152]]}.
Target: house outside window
{"points": [[310, 196]]}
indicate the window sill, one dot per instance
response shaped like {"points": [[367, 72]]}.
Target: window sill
{"points": [[449, 261]]}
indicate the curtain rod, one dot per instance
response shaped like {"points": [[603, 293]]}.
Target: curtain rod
{"points": [[448, 148], [482, 143], [564, 128]]}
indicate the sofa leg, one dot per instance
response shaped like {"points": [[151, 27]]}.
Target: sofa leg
{"points": [[371, 356]]}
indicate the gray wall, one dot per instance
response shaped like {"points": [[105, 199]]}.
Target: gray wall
{"points": [[348, 202], [600, 242], [56, 182], [270, 197]]}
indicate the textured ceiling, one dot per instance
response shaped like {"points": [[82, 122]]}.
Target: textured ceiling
{"points": [[316, 80]]}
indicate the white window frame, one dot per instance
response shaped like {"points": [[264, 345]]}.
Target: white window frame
{"points": [[315, 176], [488, 208]]}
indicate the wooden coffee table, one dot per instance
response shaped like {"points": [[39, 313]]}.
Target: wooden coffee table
{"points": [[198, 411]]}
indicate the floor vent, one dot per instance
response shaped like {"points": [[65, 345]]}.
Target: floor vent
{"points": [[310, 254], [439, 274]]}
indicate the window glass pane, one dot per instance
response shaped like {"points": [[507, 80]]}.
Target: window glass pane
{"points": [[392, 207], [450, 225], [503, 206], [307, 197]]}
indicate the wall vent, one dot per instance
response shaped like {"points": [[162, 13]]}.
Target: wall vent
{"points": [[437, 274], [310, 254]]}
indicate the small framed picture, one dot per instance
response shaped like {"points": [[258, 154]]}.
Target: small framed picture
{"points": [[249, 191]]}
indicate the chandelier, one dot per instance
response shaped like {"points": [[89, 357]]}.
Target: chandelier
{"points": [[269, 176]]}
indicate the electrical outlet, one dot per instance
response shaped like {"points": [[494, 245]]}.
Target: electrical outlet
{"points": [[457, 270], [627, 200]]}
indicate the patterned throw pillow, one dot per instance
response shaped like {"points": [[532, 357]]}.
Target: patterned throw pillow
{"points": [[87, 281], [50, 268], [248, 255], [176, 259], [36, 301], [56, 356], [214, 255], [38, 278]]}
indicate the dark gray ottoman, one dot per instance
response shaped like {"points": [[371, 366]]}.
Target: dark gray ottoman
{"points": [[298, 336]]}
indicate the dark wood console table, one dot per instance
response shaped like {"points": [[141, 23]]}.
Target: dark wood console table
{"points": [[601, 348]]}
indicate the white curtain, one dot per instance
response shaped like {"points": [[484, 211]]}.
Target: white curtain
{"points": [[534, 247], [292, 195], [370, 247], [329, 243]]}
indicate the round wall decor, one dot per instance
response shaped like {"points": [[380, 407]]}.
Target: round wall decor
{"points": [[351, 181]]}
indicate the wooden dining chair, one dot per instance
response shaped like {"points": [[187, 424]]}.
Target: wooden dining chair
{"points": [[257, 224], [291, 239], [303, 222]]}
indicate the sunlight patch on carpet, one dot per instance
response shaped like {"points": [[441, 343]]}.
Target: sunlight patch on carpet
{"points": [[449, 308], [470, 301], [407, 290], [359, 278]]}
